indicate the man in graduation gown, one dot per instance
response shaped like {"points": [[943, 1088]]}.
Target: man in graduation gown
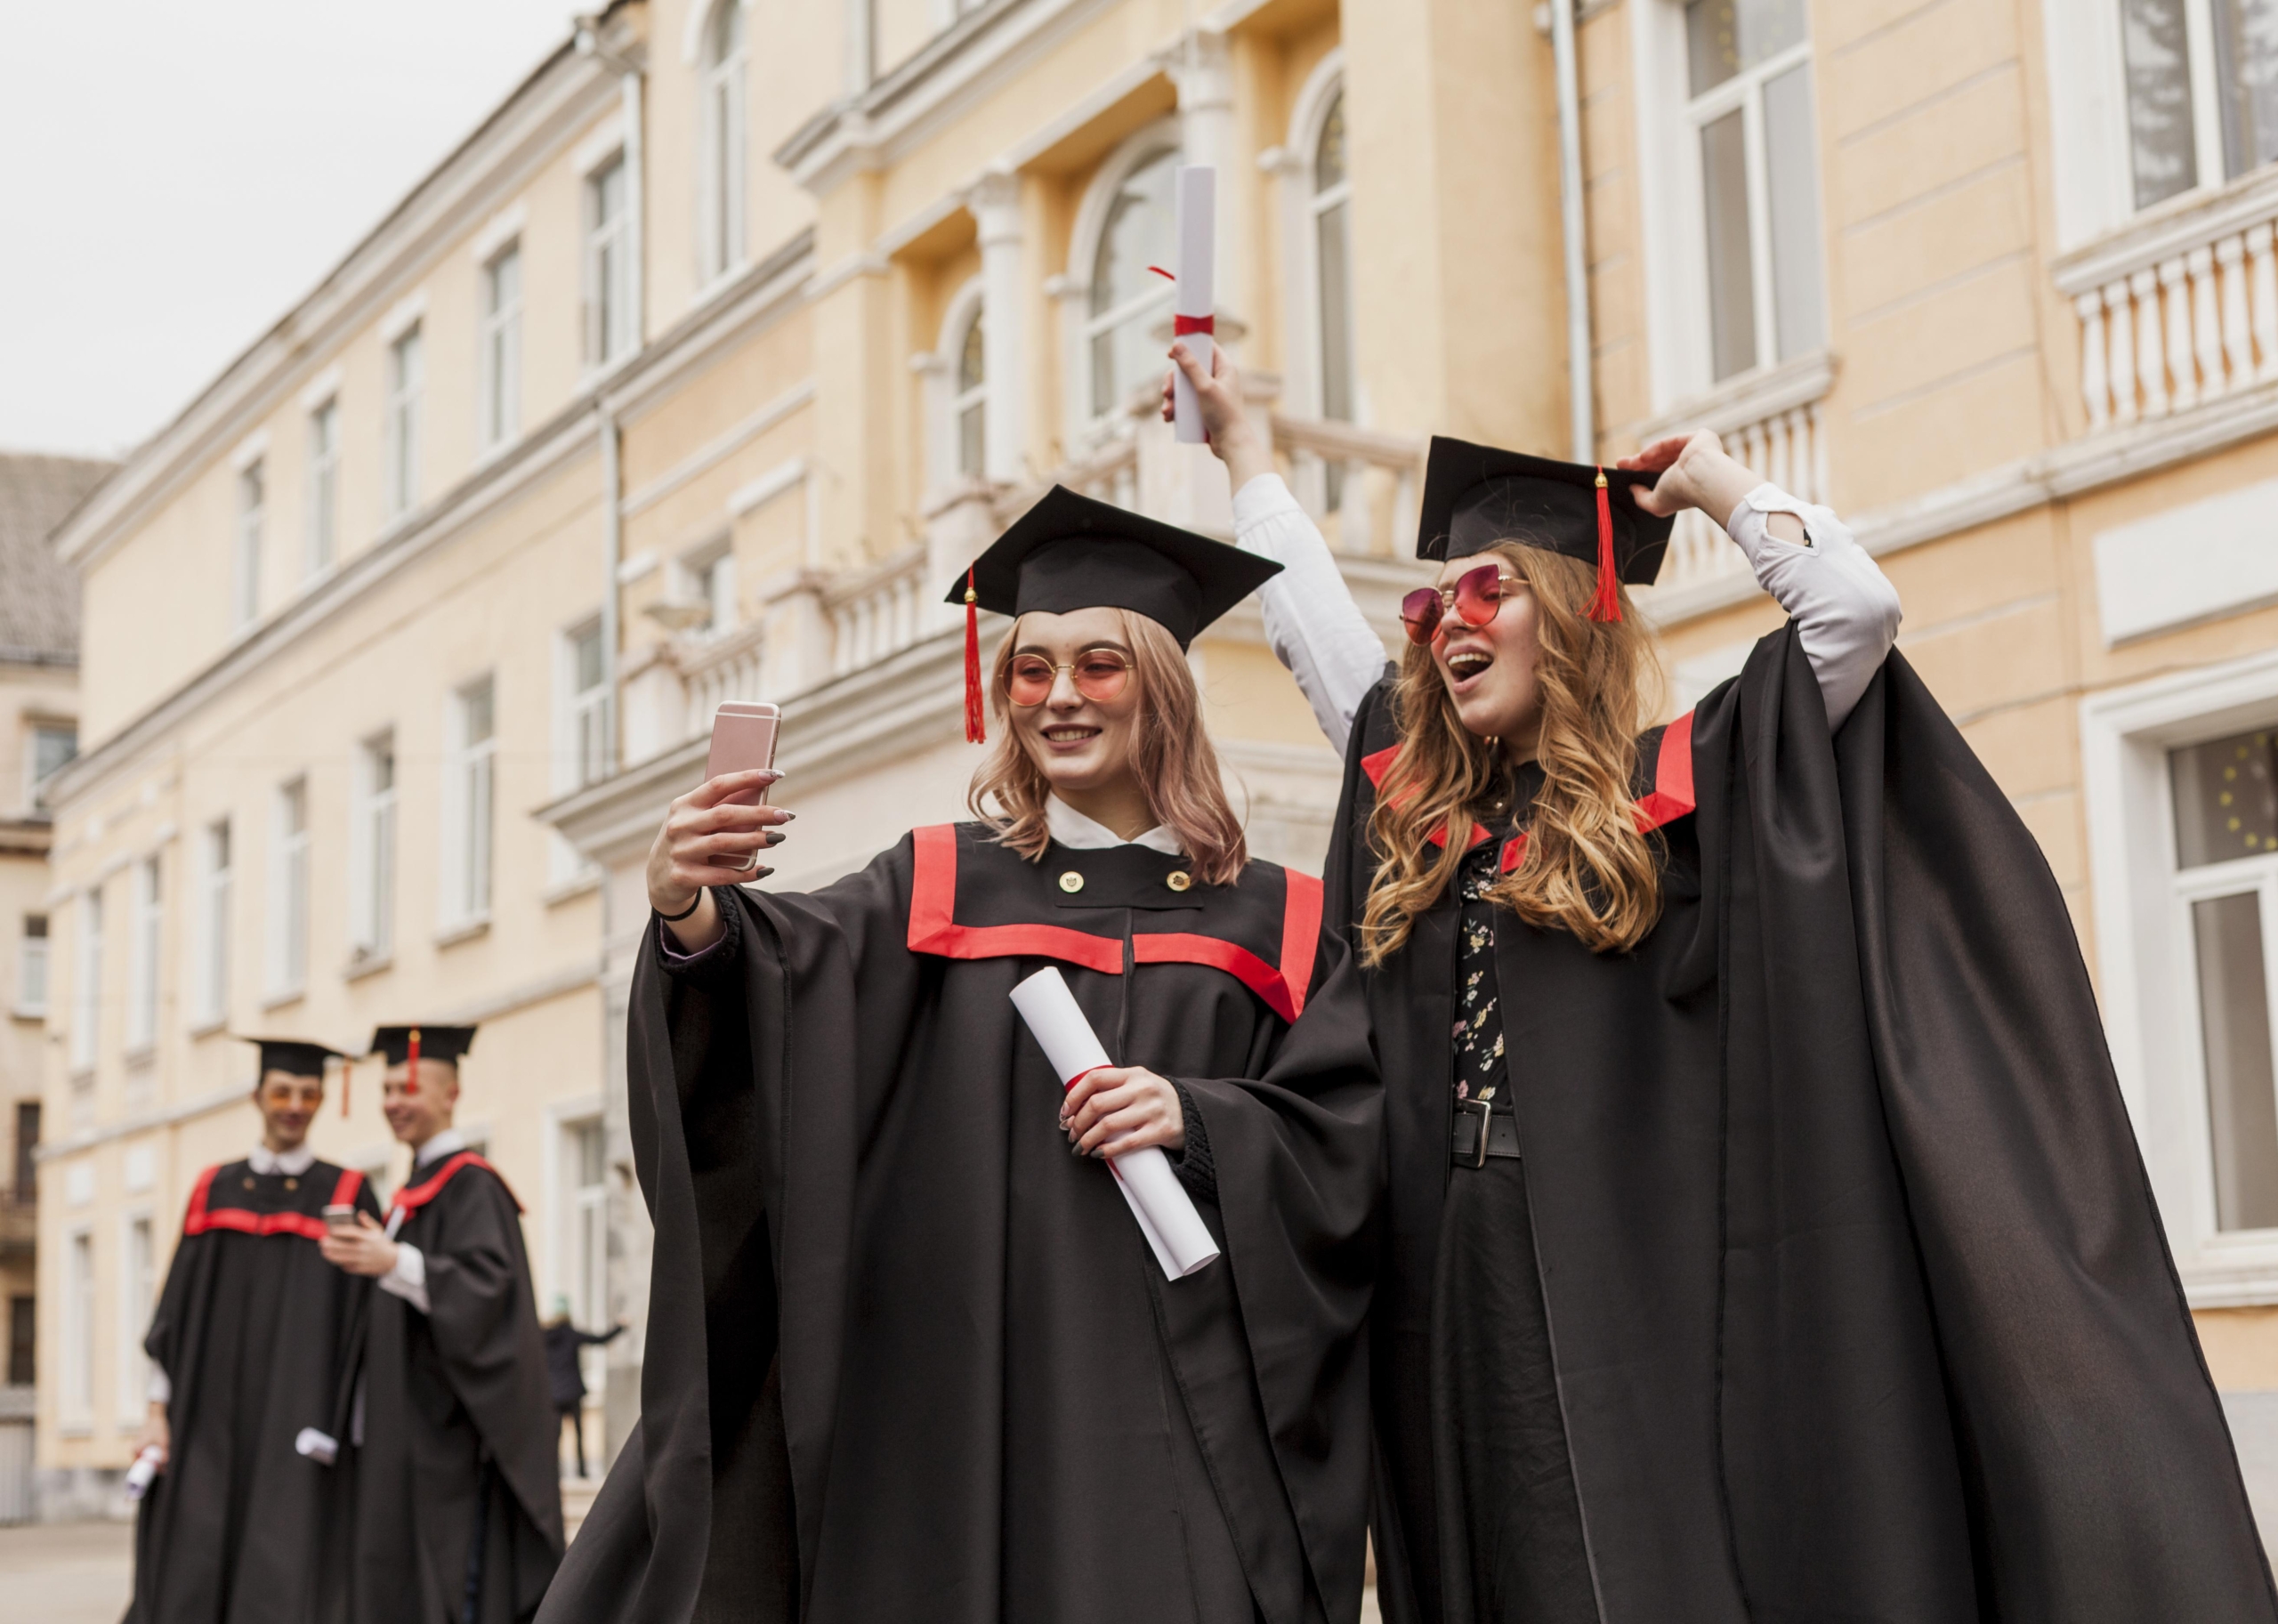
{"points": [[908, 1360], [247, 1346], [457, 1503], [1855, 1300]]}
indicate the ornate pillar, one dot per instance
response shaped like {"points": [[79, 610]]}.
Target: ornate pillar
{"points": [[995, 202]]}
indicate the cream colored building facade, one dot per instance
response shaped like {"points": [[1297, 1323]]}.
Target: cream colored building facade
{"points": [[706, 363]]}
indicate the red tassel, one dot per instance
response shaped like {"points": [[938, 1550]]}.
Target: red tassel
{"points": [[1607, 604], [976, 723], [411, 1060], [347, 1076]]}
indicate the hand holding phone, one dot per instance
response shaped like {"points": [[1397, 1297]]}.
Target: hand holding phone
{"points": [[743, 738], [340, 1220]]}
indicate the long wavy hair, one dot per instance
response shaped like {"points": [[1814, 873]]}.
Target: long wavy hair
{"points": [[1587, 869], [1172, 755]]}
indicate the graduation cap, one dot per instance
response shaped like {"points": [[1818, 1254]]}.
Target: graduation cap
{"points": [[1069, 551], [1476, 496], [408, 1045], [293, 1056]]}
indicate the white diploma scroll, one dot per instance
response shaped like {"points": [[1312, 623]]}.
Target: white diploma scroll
{"points": [[1193, 306], [1175, 1230], [144, 1473], [321, 1447]]}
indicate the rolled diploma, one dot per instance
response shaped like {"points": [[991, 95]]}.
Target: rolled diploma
{"points": [[1197, 296], [142, 1474], [1175, 1230]]}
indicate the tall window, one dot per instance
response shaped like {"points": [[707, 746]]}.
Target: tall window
{"points": [[245, 579], [1332, 225], [2227, 861], [54, 745], [588, 1215], [31, 966], [79, 1330], [469, 795], [288, 891], [1751, 123], [968, 407], [371, 858], [2199, 114], [407, 373], [88, 981], [324, 488], [26, 1152], [23, 1341], [585, 708], [609, 265], [210, 973], [501, 342], [722, 175], [142, 959], [709, 576], [138, 1277], [1127, 298]]}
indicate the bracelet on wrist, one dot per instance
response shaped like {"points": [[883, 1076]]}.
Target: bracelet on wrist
{"points": [[685, 912]]}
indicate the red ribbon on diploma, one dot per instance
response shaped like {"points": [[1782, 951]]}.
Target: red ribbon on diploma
{"points": [[1194, 324]]}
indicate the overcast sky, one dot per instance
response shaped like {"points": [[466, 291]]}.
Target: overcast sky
{"points": [[179, 174]]}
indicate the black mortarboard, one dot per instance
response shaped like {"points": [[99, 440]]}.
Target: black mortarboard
{"points": [[1069, 551], [1476, 496], [294, 1056], [444, 1043]]}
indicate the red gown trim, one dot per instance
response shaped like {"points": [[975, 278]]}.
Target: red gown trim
{"points": [[933, 929], [412, 1200], [201, 1218]]}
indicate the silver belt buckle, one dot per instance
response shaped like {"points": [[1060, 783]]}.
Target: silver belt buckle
{"points": [[1486, 1115]]}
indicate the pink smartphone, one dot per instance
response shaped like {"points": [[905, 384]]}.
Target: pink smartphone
{"points": [[743, 736]]}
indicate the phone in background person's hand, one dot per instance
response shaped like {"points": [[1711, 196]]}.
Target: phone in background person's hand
{"points": [[340, 1220], [743, 738]]}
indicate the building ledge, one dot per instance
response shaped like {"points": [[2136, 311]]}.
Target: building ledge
{"points": [[465, 931]]}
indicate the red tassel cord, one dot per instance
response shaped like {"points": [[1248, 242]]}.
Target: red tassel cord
{"points": [[976, 723], [411, 1061], [1607, 604], [347, 1076]]}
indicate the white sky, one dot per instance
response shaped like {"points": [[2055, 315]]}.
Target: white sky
{"points": [[178, 174]]}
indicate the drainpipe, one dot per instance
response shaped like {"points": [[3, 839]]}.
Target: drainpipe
{"points": [[613, 560], [636, 210], [1573, 219]]}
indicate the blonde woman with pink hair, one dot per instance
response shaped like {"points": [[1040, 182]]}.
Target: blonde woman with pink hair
{"points": [[909, 1358]]}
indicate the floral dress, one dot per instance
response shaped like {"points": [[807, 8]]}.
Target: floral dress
{"points": [[1479, 1018]]}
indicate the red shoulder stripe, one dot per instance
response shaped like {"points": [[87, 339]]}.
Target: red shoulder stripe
{"points": [[1182, 947], [412, 1200], [1379, 762], [1300, 936], [1672, 794], [343, 1193], [934, 927], [193, 1222], [1514, 852], [200, 1217]]}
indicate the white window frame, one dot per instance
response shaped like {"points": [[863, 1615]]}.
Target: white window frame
{"points": [[217, 864], [75, 1333], [87, 983], [1674, 212], [372, 848], [288, 890], [1323, 89], [404, 409], [583, 740], [321, 549], [34, 781], [947, 404], [723, 90], [245, 576], [470, 806], [34, 968], [605, 252], [146, 951], [706, 574], [138, 1295], [1135, 153], [2145, 952], [499, 408]]}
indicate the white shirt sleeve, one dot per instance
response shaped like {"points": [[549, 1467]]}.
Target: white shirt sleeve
{"points": [[1314, 628], [408, 1279], [161, 1390], [1847, 612]]}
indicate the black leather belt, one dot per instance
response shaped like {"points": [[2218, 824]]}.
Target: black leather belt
{"points": [[1466, 1145]]}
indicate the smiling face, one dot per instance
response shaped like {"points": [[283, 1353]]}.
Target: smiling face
{"points": [[288, 1104], [1084, 746], [417, 1109], [1490, 670]]}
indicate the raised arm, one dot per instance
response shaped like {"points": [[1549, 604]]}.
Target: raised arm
{"points": [[1845, 611], [1313, 626]]}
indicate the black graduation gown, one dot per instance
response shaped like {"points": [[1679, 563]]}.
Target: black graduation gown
{"points": [[909, 1359], [252, 1330], [1857, 1299], [459, 1433]]}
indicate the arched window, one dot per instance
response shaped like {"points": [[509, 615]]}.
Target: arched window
{"points": [[1332, 240], [721, 149], [1127, 299], [969, 387]]}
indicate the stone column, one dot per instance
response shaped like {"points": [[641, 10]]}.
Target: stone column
{"points": [[995, 202]]}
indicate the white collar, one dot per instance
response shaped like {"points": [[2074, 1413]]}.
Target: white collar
{"points": [[293, 1163], [441, 1145], [1078, 833]]}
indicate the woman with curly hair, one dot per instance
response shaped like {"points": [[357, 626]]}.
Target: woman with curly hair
{"points": [[1766, 1239], [907, 1358]]}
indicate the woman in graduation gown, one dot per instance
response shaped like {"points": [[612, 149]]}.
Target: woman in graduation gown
{"points": [[1768, 1239], [907, 1357]]}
